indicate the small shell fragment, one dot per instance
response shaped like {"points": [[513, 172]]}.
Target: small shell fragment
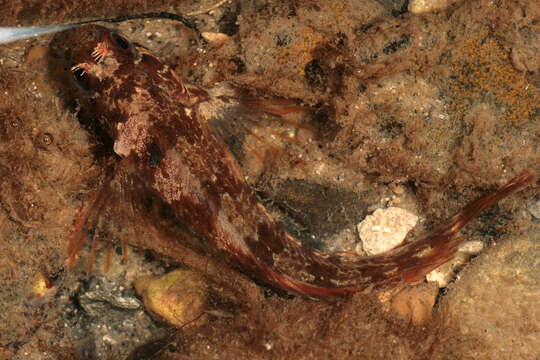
{"points": [[215, 38], [471, 247]]}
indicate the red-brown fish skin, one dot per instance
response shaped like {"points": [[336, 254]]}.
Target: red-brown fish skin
{"points": [[159, 124]]}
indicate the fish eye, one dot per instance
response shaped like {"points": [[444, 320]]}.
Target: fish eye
{"points": [[82, 78], [120, 41]]}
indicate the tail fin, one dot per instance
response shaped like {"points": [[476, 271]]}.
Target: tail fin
{"points": [[416, 259], [474, 209], [342, 273]]}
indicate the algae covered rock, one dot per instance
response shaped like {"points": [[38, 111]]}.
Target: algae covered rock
{"points": [[496, 300]]}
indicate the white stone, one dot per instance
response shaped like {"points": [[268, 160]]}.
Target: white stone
{"points": [[385, 229]]}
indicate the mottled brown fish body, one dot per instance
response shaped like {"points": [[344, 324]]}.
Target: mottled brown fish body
{"points": [[158, 124]]}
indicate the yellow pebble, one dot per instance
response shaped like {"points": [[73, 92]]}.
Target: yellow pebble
{"points": [[178, 297]]}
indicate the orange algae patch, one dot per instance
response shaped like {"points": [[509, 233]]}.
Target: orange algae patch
{"points": [[303, 48], [483, 72]]}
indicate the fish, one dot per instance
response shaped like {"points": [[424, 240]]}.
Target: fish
{"points": [[160, 126]]}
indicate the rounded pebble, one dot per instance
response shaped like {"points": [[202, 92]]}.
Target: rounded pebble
{"points": [[178, 297]]}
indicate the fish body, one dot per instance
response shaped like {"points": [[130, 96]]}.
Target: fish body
{"points": [[158, 125]]}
